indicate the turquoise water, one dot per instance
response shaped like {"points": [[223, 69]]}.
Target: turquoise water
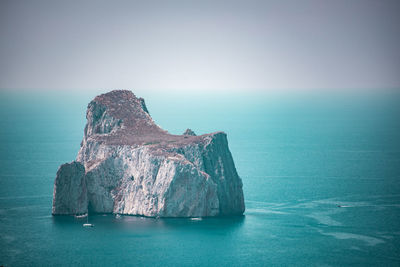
{"points": [[300, 158]]}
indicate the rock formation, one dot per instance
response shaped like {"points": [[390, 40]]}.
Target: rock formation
{"points": [[129, 165], [189, 132]]}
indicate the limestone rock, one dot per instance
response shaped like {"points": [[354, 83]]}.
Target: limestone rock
{"points": [[189, 132], [70, 194], [129, 165]]}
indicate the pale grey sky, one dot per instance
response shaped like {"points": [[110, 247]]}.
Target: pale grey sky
{"points": [[200, 45]]}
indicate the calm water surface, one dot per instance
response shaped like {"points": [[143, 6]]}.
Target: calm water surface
{"points": [[321, 179]]}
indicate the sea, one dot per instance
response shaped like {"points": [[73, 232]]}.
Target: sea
{"points": [[320, 172]]}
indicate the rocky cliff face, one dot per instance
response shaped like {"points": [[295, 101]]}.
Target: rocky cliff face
{"points": [[129, 165]]}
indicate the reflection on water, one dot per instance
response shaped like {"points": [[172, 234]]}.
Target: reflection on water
{"points": [[370, 241], [139, 223]]}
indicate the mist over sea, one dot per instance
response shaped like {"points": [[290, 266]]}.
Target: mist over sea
{"points": [[321, 180]]}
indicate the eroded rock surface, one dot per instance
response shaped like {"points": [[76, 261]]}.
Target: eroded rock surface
{"points": [[70, 193], [129, 165]]}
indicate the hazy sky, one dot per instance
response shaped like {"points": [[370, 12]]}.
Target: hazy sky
{"points": [[200, 45]]}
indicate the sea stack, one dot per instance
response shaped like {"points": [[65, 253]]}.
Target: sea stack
{"points": [[129, 165]]}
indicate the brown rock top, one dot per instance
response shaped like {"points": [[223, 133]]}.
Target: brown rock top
{"points": [[120, 118]]}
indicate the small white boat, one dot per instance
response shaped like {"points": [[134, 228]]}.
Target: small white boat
{"points": [[87, 224], [196, 219], [80, 216], [117, 216]]}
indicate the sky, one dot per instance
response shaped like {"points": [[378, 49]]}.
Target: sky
{"points": [[200, 45]]}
